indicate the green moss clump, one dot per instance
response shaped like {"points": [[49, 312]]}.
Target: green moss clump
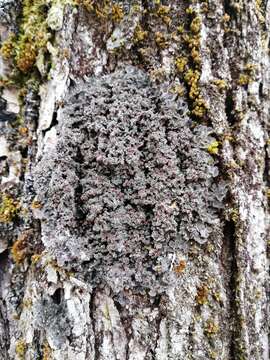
{"points": [[103, 10], [46, 351], [181, 63], [213, 148], [248, 75], [211, 328], [117, 13], [202, 295], [244, 79], [195, 25], [160, 40], [34, 34], [139, 34], [260, 11], [19, 249], [32, 37], [234, 214], [9, 209], [20, 349], [199, 106], [221, 84], [178, 89], [7, 48], [190, 65], [191, 78], [163, 12]]}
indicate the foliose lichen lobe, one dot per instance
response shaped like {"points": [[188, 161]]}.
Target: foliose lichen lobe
{"points": [[128, 183]]}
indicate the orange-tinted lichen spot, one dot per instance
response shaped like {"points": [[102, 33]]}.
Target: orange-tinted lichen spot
{"points": [[20, 248], [202, 295], [180, 267]]}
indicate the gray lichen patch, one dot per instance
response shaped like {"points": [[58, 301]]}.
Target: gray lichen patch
{"points": [[129, 181]]}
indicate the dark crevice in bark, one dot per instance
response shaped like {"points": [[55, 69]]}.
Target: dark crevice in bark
{"points": [[53, 123], [5, 339], [37, 340], [230, 245], [266, 172], [158, 303], [31, 109], [261, 90], [3, 260], [229, 108], [57, 296], [229, 9], [191, 336], [79, 159], [125, 321], [96, 335]]}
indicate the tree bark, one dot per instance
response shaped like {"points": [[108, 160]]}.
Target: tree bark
{"points": [[135, 181]]}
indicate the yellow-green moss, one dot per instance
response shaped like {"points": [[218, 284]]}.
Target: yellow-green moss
{"points": [[160, 40], [248, 74], [190, 10], [199, 107], [36, 205], [35, 258], [190, 64], [191, 78], [117, 13], [9, 208], [27, 303], [192, 41], [195, 54], [178, 89], [195, 25], [20, 349], [103, 10], [181, 63], [46, 351], [163, 12], [244, 79], [34, 34], [139, 34], [211, 328], [260, 11], [221, 84], [213, 355], [234, 214], [181, 29], [202, 295], [213, 148], [7, 48], [226, 18]]}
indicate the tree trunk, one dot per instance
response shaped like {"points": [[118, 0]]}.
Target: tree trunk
{"points": [[135, 182]]}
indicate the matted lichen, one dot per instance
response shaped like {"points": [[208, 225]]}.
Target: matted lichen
{"points": [[129, 181]]}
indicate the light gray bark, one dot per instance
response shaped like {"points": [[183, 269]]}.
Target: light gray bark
{"points": [[135, 185]]}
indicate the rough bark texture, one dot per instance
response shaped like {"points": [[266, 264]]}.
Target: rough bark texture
{"points": [[135, 181]]}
